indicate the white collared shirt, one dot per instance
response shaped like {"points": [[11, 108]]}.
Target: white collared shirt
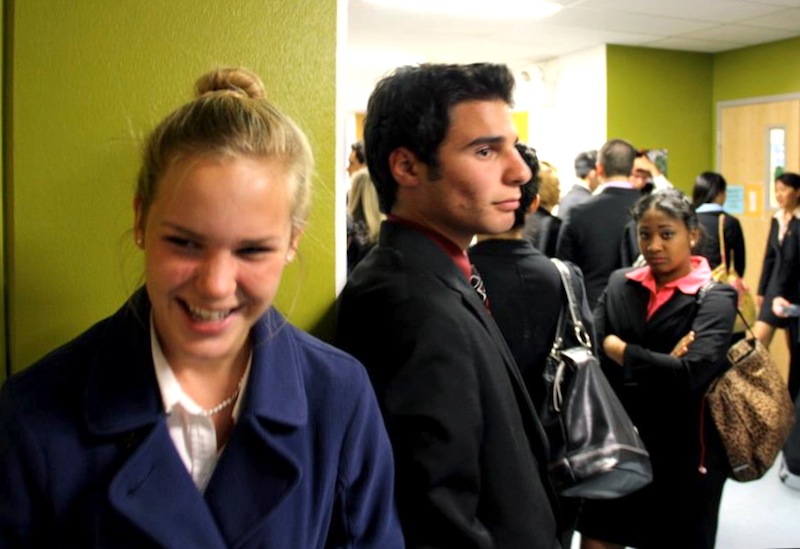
{"points": [[614, 183], [783, 225], [192, 432]]}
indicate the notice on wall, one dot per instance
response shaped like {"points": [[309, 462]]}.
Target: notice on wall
{"points": [[746, 200], [734, 199]]}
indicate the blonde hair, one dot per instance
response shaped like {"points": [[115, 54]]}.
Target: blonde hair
{"points": [[362, 203], [549, 192], [230, 115]]}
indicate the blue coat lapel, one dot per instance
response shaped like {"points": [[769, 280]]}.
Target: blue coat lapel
{"points": [[260, 453], [154, 491]]}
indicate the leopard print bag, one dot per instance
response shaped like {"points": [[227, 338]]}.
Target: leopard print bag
{"points": [[751, 409]]}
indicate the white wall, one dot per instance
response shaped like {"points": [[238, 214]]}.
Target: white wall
{"points": [[565, 99], [566, 103]]}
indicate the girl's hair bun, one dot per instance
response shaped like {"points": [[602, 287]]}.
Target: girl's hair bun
{"points": [[235, 80]]}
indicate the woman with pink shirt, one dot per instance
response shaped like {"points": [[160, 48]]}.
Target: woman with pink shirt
{"points": [[661, 348]]}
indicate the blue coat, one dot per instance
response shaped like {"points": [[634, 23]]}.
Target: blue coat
{"points": [[86, 459]]}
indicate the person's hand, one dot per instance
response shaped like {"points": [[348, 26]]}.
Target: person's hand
{"points": [[614, 348], [644, 163], [778, 305], [682, 347], [759, 301]]}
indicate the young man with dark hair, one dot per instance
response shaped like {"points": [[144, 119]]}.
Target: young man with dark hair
{"points": [[471, 454]]}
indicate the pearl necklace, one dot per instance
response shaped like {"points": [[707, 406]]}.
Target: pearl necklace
{"points": [[225, 403]]}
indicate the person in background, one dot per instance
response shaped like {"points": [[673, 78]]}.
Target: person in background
{"points": [[778, 286], [646, 176], [541, 227], [470, 451], [588, 181], [786, 306], [526, 297], [592, 237], [196, 416], [708, 196], [785, 222], [661, 347], [363, 218], [357, 160]]}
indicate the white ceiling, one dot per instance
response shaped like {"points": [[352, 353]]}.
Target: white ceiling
{"points": [[380, 39]]}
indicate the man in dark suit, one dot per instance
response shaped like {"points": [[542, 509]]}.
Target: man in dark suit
{"points": [[581, 191], [592, 237], [471, 455]]}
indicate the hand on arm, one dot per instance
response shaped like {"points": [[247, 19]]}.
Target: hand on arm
{"points": [[779, 304], [614, 348], [682, 347]]}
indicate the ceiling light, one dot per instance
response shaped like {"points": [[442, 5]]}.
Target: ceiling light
{"points": [[496, 9]]}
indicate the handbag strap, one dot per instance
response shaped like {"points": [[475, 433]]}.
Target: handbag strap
{"points": [[701, 294], [581, 334], [722, 240]]}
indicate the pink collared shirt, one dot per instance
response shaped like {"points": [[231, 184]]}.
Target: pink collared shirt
{"points": [[689, 284]]}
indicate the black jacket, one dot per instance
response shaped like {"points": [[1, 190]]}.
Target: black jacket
{"points": [[470, 451]]}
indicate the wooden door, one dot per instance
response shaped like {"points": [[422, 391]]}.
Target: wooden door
{"points": [[744, 159]]}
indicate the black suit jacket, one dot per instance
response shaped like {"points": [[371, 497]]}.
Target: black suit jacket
{"points": [[662, 393], [526, 296], [470, 452], [591, 238], [578, 194], [769, 284], [542, 228]]}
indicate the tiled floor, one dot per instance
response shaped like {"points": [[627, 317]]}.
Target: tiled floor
{"points": [[759, 514], [756, 515]]}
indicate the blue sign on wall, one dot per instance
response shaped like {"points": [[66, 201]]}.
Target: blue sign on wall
{"points": [[734, 199]]}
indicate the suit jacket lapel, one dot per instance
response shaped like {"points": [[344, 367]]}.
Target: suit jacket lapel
{"points": [[678, 306], [453, 278]]}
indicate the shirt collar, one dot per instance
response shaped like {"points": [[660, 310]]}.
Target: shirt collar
{"points": [[449, 247], [709, 207], [582, 184], [616, 184], [172, 394], [689, 284], [779, 214]]}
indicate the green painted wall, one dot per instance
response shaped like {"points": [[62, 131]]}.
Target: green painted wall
{"points": [[758, 71], [663, 99], [89, 78]]}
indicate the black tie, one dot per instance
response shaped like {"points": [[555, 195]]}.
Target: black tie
{"points": [[476, 282]]}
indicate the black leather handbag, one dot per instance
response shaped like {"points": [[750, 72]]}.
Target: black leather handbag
{"points": [[595, 449]]}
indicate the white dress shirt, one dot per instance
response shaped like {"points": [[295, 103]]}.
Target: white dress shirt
{"points": [[192, 432]]}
